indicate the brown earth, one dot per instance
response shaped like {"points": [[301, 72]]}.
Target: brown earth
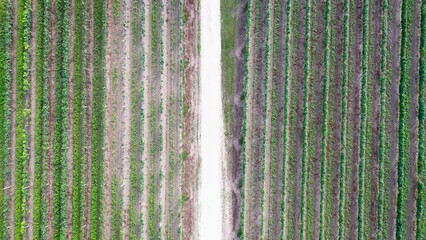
{"points": [[299, 115], [33, 105], [338, 121], [13, 136], [238, 115], [109, 158], [190, 121], [52, 110], [394, 103], [376, 120]]}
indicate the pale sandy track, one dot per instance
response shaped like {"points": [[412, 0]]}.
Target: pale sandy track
{"points": [[212, 131], [127, 117]]}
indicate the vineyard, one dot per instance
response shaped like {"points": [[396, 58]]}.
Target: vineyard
{"points": [[99, 119], [324, 108], [111, 122]]}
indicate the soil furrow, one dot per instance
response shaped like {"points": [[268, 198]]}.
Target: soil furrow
{"points": [[33, 102], [338, 120], [190, 121], [318, 118], [108, 120], [165, 118], [127, 116], [394, 104], [52, 110], [376, 120]]}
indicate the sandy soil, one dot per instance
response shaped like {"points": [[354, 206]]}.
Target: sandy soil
{"points": [[165, 118], [212, 131], [190, 122]]}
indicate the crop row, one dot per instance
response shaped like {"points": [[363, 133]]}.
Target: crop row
{"points": [[348, 139], [57, 123]]}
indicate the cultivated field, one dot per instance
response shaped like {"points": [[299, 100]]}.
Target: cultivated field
{"points": [[99, 135], [324, 106]]}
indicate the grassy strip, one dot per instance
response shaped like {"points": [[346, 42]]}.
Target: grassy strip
{"points": [[78, 134], [3, 107], [23, 85], [307, 63], [63, 106], [344, 119], [39, 122], [421, 228], [173, 119], [98, 116], [286, 130], [383, 64], [83, 120], [402, 124], [5, 98], [102, 126], [276, 121], [363, 127], [325, 117], [154, 113], [245, 126], [153, 190], [89, 119], [142, 117], [58, 156], [136, 118], [45, 114], [266, 123]]}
